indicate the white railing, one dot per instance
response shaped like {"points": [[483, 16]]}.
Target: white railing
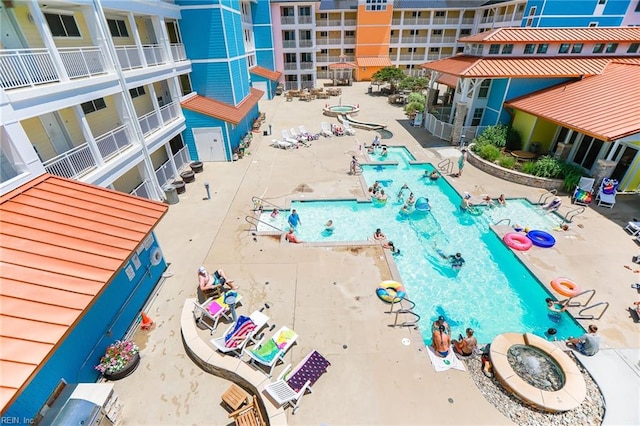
{"points": [[438, 128], [323, 74], [305, 43], [26, 67], [413, 72], [142, 190], [433, 56], [149, 122], [323, 58], [396, 21], [412, 39], [442, 39], [306, 65], [416, 21], [164, 173], [290, 85], [288, 43], [290, 66], [170, 111], [330, 23], [128, 57], [153, 54], [394, 40], [113, 142], [349, 40], [415, 57], [304, 19], [181, 158], [71, 164], [287, 20], [82, 61], [306, 84], [177, 52], [467, 21], [472, 132], [349, 22]]}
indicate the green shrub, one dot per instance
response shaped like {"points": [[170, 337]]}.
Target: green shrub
{"points": [[489, 152], [416, 97], [414, 107], [514, 141], [529, 167], [572, 174], [548, 167], [507, 161], [495, 135]]}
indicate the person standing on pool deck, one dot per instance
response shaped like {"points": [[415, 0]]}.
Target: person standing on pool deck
{"points": [[461, 161], [294, 219]]}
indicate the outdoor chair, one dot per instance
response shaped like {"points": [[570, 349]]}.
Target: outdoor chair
{"points": [[240, 333], [210, 312], [583, 194], [290, 388], [249, 415], [325, 129], [288, 138], [281, 144], [633, 228], [348, 129], [607, 193], [267, 353]]}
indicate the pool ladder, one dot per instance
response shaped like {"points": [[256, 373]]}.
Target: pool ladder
{"points": [[403, 310], [446, 166], [545, 196], [252, 220], [585, 306], [572, 213], [503, 220], [257, 201]]}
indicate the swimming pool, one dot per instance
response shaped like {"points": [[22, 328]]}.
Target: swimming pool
{"points": [[493, 293]]}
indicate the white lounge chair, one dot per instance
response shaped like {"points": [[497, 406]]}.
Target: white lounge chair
{"points": [[270, 351], [290, 388], [294, 134], [303, 131], [240, 333], [583, 194], [281, 144], [325, 130], [607, 193], [287, 137], [348, 129], [633, 228], [212, 310]]}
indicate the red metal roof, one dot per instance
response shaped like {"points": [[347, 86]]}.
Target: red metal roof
{"points": [[373, 61], [266, 73], [229, 113], [473, 66], [342, 65], [61, 242], [448, 80], [551, 35], [605, 106]]}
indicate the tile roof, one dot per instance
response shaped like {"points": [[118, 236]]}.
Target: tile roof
{"points": [[61, 242], [473, 66], [440, 4], [605, 106], [373, 61], [342, 65], [266, 73], [549, 35], [229, 113], [448, 80]]}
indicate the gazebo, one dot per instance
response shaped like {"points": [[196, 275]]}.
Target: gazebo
{"points": [[342, 72]]}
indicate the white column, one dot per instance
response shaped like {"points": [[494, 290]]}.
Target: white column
{"points": [[174, 169], [88, 136], [136, 38], [47, 38]]}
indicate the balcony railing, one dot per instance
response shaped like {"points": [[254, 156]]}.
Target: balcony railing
{"points": [[142, 190], [445, 21], [305, 43], [287, 20], [330, 59], [304, 19], [394, 40], [288, 43], [113, 142], [467, 21], [416, 21], [149, 122], [415, 57], [349, 40], [153, 54], [440, 39], [73, 163], [329, 23], [323, 74], [177, 52], [128, 57], [349, 23], [181, 158], [164, 173], [170, 111], [31, 67], [412, 39], [291, 66], [306, 65]]}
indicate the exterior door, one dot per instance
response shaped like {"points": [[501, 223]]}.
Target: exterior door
{"points": [[56, 133], [261, 85], [210, 144], [11, 38]]}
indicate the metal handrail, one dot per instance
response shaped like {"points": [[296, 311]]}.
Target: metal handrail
{"points": [[252, 220], [403, 311], [576, 211], [592, 317], [393, 302], [446, 165], [546, 196], [502, 220], [257, 201], [577, 304]]}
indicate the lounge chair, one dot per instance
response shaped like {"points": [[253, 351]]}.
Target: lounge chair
{"points": [[249, 415], [348, 129], [281, 144], [290, 388], [607, 193], [240, 333], [325, 130], [213, 309], [633, 228], [583, 194], [287, 137], [268, 353]]}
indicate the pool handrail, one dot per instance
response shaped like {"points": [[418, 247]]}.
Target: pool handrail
{"points": [[403, 311], [252, 220], [502, 220], [260, 201], [446, 166], [576, 211], [592, 317], [547, 195]]}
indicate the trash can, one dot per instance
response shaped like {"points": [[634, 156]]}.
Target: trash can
{"points": [[370, 90], [171, 194]]}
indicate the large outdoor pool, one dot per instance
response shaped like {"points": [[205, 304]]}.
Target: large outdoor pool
{"points": [[493, 293]]}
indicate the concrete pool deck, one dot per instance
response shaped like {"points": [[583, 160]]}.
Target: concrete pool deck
{"points": [[327, 294]]}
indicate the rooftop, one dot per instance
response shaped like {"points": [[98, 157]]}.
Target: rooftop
{"points": [[225, 112], [549, 35]]}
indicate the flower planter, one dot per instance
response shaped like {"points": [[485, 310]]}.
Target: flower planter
{"points": [[181, 188], [126, 370], [197, 166], [188, 176]]}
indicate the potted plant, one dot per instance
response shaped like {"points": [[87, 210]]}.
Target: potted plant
{"points": [[120, 359]]}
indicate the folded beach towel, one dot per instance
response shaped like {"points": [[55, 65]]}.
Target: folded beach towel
{"points": [[267, 352], [243, 327], [214, 308], [284, 338], [583, 196]]}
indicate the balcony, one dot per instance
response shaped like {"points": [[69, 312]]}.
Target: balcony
{"points": [[394, 40], [413, 40], [415, 57], [291, 66], [153, 54], [416, 21], [287, 20], [467, 21], [445, 21], [177, 52], [112, 143], [349, 40], [306, 65], [142, 190], [305, 43], [349, 23], [330, 23], [128, 57], [440, 39], [326, 41], [304, 20], [32, 67], [327, 59], [152, 121], [288, 43]]}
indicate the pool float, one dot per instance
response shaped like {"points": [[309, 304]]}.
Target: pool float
{"points": [[541, 238], [517, 241], [565, 287], [422, 205], [390, 291]]}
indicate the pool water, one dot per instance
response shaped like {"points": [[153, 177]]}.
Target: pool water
{"points": [[493, 293], [342, 109]]}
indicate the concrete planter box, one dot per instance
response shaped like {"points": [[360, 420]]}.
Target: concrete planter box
{"points": [[513, 175]]}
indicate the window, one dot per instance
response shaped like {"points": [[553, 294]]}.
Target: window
{"points": [[529, 48], [349, 51], [290, 58], [376, 5], [507, 48], [577, 48], [440, 14], [412, 49], [532, 11], [612, 47], [416, 14], [306, 57], [349, 33], [465, 32], [494, 48], [136, 91], [598, 48], [94, 105], [564, 48], [459, 49], [483, 91], [62, 25], [593, 24], [529, 22], [542, 48], [304, 11], [413, 32], [117, 27], [633, 47], [434, 50], [286, 11], [323, 34], [477, 116], [393, 32], [324, 16], [602, 1], [437, 32], [638, 7]]}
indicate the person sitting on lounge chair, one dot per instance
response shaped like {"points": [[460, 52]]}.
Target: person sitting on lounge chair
{"points": [[553, 205], [208, 282]]}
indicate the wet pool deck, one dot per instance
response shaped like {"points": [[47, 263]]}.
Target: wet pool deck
{"points": [[327, 294]]}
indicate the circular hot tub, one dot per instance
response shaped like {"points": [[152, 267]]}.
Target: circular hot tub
{"points": [[537, 372], [336, 110]]}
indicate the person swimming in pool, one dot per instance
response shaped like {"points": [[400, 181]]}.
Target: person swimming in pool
{"points": [[456, 260], [329, 227]]}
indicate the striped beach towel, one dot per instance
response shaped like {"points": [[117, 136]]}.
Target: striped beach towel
{"points": [[243, 327]]}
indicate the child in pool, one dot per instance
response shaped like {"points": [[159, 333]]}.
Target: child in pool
{"points": [[328, 227], [275, 213]]}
